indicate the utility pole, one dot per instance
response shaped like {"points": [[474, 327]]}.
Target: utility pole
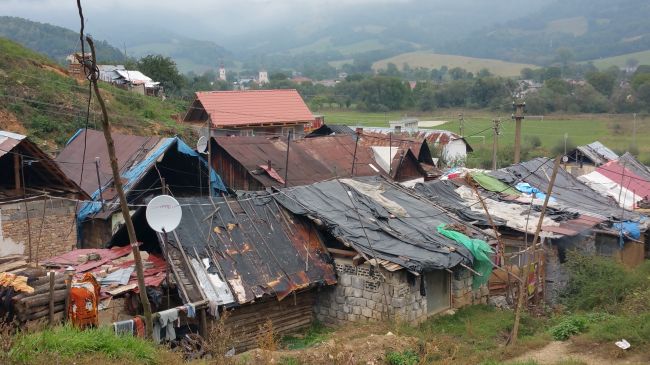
{"points": [[496, 125], [461, 126], [106, 126], [286, 164], [518, 116], [634, 131]]}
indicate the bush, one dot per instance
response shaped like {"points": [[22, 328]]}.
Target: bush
{"points": [[568, 327], [599, 283], [406, 357]]}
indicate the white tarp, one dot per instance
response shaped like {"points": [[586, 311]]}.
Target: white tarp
{"points": [[606, 187]]}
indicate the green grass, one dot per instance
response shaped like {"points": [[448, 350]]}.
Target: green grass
{"points": [[434, 60], [620, 61], [67, 343], [314, 335], [615, 131], [51, 106]]}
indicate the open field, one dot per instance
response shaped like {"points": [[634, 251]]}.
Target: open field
{"points": [[615, 131], [434, 60], [620, 61]]}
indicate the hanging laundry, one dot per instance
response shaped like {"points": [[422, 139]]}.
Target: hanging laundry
{"points": [[191, 310], [123, 327], [165, 322], [84, 302], [138, 325]]}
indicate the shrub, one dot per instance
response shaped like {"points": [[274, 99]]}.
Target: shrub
{"points": [[406, 357], [569, 327]]}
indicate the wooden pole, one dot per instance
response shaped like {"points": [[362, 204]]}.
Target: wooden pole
{"points": [[549, 190], [120, 193], [518, 116], [51, 314], [354, 156], [203, 323], [495, 142], [286, 163], [68, 286], [99, 181], [17, 164]]}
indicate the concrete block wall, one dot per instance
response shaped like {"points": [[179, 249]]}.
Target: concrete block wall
{"points": [[365, 294], [462, 293], [52, 235]]}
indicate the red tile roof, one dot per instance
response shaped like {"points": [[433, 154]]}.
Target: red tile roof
{"points": [[253, 107]]}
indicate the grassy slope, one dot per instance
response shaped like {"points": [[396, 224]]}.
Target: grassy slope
{"points": [[39, 99], [620, 61], [613, 131], [433, 60]]}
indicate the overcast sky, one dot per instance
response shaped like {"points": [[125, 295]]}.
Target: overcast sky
{"points": [[193, 18]]}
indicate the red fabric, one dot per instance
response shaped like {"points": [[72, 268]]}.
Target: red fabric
{"points": [[232, 108], [84, 300], [138, 326]]}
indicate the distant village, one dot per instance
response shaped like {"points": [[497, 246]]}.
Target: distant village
{"points": [[291, 219]]}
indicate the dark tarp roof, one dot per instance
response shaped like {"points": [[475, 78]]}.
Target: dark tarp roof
{"points": [[310, 159], [331, 129], [443, 193], [400, 226], [569, 191], [260, 250]]}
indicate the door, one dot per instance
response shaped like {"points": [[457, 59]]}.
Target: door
{"points": [[438, 284]]}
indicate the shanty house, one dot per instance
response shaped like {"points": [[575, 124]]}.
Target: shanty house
{"points": [[250, 113], [37, 201], [406, 159], [584, 159], [131, 80], [246, 255], [147, 166], [391, 256], [255, 163]]}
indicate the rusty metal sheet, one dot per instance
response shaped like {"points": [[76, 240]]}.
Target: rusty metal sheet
{"points": [[259, 251], [310, 160]]}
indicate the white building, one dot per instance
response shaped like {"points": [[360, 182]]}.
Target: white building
{"points": [[263, 77]]}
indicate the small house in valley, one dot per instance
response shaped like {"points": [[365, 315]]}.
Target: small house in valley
{"points": [[250, 113]]}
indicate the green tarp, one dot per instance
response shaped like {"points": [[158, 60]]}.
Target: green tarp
{"points": [[489, 183], [479, 249]]}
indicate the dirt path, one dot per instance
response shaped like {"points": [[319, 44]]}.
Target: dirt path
{"points": [[557, 351]]}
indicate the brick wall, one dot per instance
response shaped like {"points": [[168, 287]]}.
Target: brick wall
{"points": [[54, 235], [363, 295]]}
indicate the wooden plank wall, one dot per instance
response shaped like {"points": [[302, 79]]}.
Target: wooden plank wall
{"points": [[288, 316]]}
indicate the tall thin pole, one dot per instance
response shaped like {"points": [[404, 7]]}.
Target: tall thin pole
{"points": [[354, 157], [461, 126], [390, 153], [99, 182], [634, 131], [495, 142], [106, 126], [286, 163], [518, 117], [209, 129]]}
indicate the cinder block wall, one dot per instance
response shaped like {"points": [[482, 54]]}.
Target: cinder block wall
{"points": [[51, 236], [363, 295]]}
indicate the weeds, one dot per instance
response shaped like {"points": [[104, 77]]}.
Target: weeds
{"points": [[317, 333], [220, 341], [406, 357]]}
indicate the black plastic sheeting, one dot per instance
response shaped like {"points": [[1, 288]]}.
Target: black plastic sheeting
{"points": [[571, 193], [409, 240], [255, 247], [443, 193]]}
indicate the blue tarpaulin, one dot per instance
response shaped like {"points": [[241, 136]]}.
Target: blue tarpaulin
{"points": [[629, 229], [133, 175], [526, 188]]}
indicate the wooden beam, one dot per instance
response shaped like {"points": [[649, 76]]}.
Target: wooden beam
{"points": [[17, 172], [346, 253]]}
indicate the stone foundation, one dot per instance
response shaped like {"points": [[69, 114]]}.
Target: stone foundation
{"points": [[375, 294], [51, 236]]}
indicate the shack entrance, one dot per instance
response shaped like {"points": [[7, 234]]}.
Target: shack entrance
{"points": [[438, 284]]}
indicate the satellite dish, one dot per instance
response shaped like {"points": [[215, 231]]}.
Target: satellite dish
{"points": [[202, 145], [163, 213]]}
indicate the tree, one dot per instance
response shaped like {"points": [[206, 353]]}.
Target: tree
{"points": [[602, 81], [164, 70], [631, 63], [527, 73]]}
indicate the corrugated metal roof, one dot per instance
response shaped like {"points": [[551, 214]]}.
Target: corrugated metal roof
{"points": [[129, 150], [597, 152], [310, 160], [48, 172], [256, 247], [251, 107]]}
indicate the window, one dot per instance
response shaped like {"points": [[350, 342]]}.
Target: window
{"points": [[246, 132]]}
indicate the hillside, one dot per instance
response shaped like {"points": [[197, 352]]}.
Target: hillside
{"points": [[591, 29], [55, 42], [39, 99], [643, 58], [433, 60]]}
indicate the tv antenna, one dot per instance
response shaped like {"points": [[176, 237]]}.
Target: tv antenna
{"points": [[163, 213]]}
